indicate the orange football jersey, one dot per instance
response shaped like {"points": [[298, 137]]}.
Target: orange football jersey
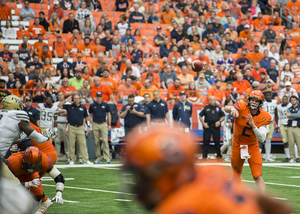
{"points": [[15, 162], [242, 131], [211, 192]]}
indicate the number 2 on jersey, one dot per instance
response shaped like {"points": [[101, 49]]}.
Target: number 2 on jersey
{"points": [[248, 127]]}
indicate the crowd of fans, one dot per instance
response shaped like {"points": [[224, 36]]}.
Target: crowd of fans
{"points": [[83, 47]]}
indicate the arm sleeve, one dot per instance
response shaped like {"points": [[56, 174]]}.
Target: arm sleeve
{"points": [[37, 137], [260, 133]]}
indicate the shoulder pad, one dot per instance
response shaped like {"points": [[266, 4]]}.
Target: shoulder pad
{"points": [[23, 116]]}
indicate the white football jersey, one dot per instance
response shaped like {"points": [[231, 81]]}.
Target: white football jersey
{"points": [[46, 115], [281, 111], [270, 108], [9, 129]]}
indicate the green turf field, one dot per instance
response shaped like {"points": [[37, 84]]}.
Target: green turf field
{"points": [[97, 190]]}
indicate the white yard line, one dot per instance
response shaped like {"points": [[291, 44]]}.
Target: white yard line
{"points": [[93, 190], [276, 184], [293, 177], [122, 200], [75, 202]]}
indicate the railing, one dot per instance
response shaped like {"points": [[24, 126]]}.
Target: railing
{"points": [[283, 9]]}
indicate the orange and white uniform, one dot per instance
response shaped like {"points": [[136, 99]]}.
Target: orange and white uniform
{"points": [[212, 184], [244, 135]]}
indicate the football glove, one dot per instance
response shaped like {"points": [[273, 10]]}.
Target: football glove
{"points": [[50, 132], [14, 148], [58, 198], [31, 184], [24, 137]]}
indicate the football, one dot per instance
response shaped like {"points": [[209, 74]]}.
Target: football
{"points": [[197, 66]]}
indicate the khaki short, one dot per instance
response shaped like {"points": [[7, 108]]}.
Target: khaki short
{"points": [[271, 131], [284, 133]]}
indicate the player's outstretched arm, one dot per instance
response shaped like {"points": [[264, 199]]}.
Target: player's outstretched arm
{"points": [[272, 206], [231, 110], [60, 183], [31, 133]]}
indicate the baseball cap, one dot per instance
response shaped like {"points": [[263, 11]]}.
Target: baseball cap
{"points": [[209, 22], [55, 2], [158, 28], [201, 75], [124, 56], [37, 67], [232, 72], [270, 23], [255, 84], [79, 70], [269, 80], [288, 83], [79, 55], [182, 93], [28, 99], [264, 73], [246, 26], [99, 94]]}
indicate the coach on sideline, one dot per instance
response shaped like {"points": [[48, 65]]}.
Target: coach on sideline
{"points": [[76, 114], [182, 110], [157, 111], [98, 111], [132, 113], [293, 127]]}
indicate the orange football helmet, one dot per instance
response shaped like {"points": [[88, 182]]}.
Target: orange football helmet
{"points": [[32, 159], [257, 95], [159, 161]]}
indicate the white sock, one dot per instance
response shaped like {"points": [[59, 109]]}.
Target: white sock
{"points": [[287, 152], [296, 150], [260, 150], [268, 148]]}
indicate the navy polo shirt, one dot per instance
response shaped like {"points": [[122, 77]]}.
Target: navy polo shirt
{"points": [[182, 113], [21, 78], [164, 51], [176, 35], [145, 107], [293, 110], [158, 109], [137, 53], [242, 63], [273, 73], [75, 114], [106, 43], [33, 112], [135, 120], [99, 111]]}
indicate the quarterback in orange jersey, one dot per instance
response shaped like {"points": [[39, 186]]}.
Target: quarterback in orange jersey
{"points": [[249, 127], [159, 165]]}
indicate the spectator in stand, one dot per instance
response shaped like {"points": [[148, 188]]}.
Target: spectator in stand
{"points": [[78, 64], [265, 62], [86, 49], [70, 24], [108, 81], [168, 77], [127, 36], [231, 77], [263, 44], [67, 5], [148, 89], [56, 9], [27, 13], [235, 10], [136, 16], [242, 63], [209, 29], [255, 56], [6, 55], [296, 69], [5, 11], [256, 71], [82, 12], [36, 29], [165, 48], [121, 5], [185, 78], [87, 28], [55, 26], [37, 46], [176, 34], [202, 85], [245, 34], [66, 89], [275, 19], [231, 46], [123, 25], [288, 91], [30, 66], [19, 76], [8, 32], [260, 24], [248, 77], [174, 91], [11, 81], [240, 85], [64, 64], [107, 42], [45, 53], [241, 27], [270, 33], [159, 38], [59, 48], [195, 25], [217, 92], [150, 70], [136, 53], [36, 73], [85, 92], [16, 61], [251, 43], [43, 21], [226, 60], [233, 33], [293, 7], [220, 34], [107, 94], [38, 92], [167, 16], [77, 81], [124, 90]]}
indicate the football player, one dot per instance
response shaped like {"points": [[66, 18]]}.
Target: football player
{"points": [[269, 105], [12, 121], [159, 165], [249, 127], [26, 167], [282, 121]]}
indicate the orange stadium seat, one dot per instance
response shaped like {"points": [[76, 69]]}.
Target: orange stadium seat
{"points": [[40, 7]]}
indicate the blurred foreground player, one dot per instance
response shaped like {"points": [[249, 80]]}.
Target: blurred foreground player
{"points": [[160, 167], [250, 126], [12, 121]]}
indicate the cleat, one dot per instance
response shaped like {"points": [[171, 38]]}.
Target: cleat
{"points": [[68, 160], [292, 161], [297, 160], [88, 163], [269, 160], [71, 163], [44, 206], [81, 161], [108, 161], [286, 160], [98, 161]]}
